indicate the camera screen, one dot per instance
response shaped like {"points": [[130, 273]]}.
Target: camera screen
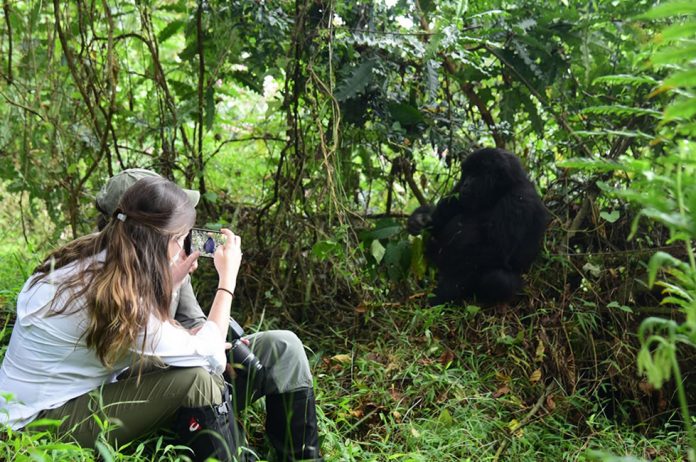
{"points": [[203, 240]]}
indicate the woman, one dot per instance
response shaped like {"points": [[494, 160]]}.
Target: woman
{"points": [[286, 380], [88, 312]]}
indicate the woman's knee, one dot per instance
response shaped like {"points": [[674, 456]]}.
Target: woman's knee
{"points": [[290, 339], [283, 355]]}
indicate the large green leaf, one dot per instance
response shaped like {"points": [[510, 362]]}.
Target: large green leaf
{"points": [[669, 9], [383, 229], [358, 80], [170, 29], [405, 114], [620, 110]]}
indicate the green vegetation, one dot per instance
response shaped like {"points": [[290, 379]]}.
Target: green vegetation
{"points": [[314, 127]]}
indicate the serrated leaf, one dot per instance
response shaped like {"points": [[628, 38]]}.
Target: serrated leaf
{"points": [[183, 90], [609, 132], [682, 109], [170, 29], [620, 110], [615, 304], [675, 55], [358, 80], [679, 31], [593, 165], [625, 79], [659, 261], [682, 79], [670, 9]]}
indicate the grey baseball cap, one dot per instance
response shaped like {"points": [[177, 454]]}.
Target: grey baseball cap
{"points": [[110, 194]]}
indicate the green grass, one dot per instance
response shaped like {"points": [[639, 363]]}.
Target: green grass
{"points": [[396, 395], [392, 393], [402, 383]]}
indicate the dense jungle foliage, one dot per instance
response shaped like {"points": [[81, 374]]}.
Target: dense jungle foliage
{"points": [[314, 127]]}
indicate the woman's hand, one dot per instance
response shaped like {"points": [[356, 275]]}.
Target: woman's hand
{"points": [[227, 259], [182, 266]]}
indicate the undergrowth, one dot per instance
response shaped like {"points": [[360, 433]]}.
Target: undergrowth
{"points": [[403, 383]]}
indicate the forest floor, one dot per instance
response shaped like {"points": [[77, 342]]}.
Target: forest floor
{"points": [[392, 387]]}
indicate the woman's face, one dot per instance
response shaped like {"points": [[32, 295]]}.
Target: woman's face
{"points": [[176, 249]]}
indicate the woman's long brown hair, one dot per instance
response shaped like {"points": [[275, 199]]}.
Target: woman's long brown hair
{"points": [[134, 280]]}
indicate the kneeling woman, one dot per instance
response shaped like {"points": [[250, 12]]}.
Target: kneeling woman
{"points": [[100, 303]]}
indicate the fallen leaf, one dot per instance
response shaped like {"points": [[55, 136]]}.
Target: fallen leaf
{"points": [[361, 308], [504, 390], [343, 359], [536, 376], [502, 377], [446, 357], [550, 403], [358, 413], [540, 350], [395, 394], [646, 387], [513, 425]]}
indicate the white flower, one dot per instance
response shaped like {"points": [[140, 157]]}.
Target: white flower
{"points": [[270, 87], [218, 83], [337, 21], [404, 22]]}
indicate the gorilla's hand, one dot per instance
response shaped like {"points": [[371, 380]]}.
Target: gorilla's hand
{"points": [[420, 219]]}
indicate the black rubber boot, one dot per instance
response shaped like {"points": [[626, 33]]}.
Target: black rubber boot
{"points": [[291, 426], [212, 431]]}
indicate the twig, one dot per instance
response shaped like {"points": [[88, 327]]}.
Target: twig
{"points": [[525, 420]]}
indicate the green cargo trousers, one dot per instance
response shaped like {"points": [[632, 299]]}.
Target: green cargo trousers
{"points": [[135, 408], [138, 408]]}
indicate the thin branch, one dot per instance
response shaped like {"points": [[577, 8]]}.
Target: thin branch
{"points": [[201, 84], [70, 59], [6, 11], [21, 106], [243, 140]]}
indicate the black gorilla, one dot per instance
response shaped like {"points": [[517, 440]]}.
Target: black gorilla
{"points": [[486, 232]]}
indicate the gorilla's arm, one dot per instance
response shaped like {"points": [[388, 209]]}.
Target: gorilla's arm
{"points": [[420, 219]]}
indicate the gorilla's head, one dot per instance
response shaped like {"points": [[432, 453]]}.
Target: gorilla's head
{"points": [[487, 174]]}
